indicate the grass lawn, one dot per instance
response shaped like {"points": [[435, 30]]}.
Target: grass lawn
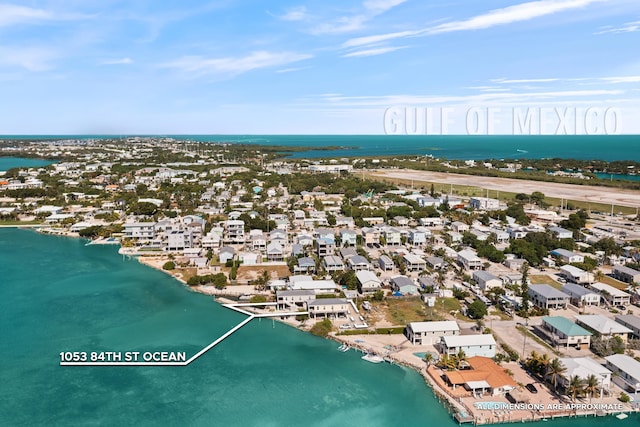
{"points": [[401, 311], [614, 282], [544, 279]]}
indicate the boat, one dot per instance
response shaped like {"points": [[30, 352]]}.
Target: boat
{"points": [[373, 358], [343, 348], [622, 416]]}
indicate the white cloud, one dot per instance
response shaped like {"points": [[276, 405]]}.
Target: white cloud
{"points": [[345, 24], [373, 52], [629, 27], [525, 80], [291, 69], [121, 61], [29, 58], [11, 14], [516, 13], [235, 65], [295, 14], [622, 79]]}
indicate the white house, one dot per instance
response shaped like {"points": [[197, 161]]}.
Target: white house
{"points": [[627, 371], [583, 367], [630, 321], [561, 233], [603, 326], [424, 333], [472, 345], [575, 274], [581, 296], [414, 262], [469, 260], [326, 307], [567, 256], [611, 295], [484, 203], [368, 282], [546, 296], [486, 280]]}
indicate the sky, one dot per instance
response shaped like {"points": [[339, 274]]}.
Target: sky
{"points": [[320, 67]]}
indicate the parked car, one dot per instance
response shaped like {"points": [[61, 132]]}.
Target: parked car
{"points": [[621, 307], [532, 388]]}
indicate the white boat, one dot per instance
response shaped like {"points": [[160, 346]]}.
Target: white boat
{"points": [[622, 416], [373, 358], [343, 348]]}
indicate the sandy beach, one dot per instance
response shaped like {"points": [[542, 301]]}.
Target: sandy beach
{"points": [[586, 193]]}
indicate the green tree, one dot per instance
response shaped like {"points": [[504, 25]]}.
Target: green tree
{"points": [[169, 265], [477, 310], [322, 328], [575, 387], [524, 291], [555, 370]]}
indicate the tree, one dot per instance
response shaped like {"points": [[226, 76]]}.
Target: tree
{"points": [[524, 291], [322, 328], [555, 370], [575, 387], [477, 310], [143, 208], [428, 356], [591, 386], [169, 265]]}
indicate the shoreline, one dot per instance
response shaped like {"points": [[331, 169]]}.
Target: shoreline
{"points": [[395, 351]]}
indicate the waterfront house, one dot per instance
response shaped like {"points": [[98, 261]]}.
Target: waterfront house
{"points": [[603, 326], [139, 230], [486, 280], [471, 345], [611, 295], [328, 307], [563, 332], [301, 282], [626, 371], [483, 376], [626, 274], [427, 333], [581, 296], [368, 282], [632, 322], [293, 300], [582, 368], [546, 296]]}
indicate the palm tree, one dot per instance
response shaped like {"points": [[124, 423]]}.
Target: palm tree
{"points": [[575, 387], [591, 386], [555, 371], [428, 357], [544, 361], [459, 358]]}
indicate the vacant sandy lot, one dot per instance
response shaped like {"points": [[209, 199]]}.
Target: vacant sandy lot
{"points": [[585, 193]]}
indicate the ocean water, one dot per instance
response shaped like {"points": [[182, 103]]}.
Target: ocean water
{"points": [[7, 163], [614, 176], [477, 147], [58, 295]]}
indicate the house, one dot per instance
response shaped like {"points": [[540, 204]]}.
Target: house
{"points": [[630, 321], [325, 247], [404, 285], [275, 252], [226, 254], [418, 237], [486, 280], [562, 331], [235, 231], [514, 263], [358, 263], [368, 282], [301, 282], [546, 296], [304, 265], [348, 237], [500, 235], [471, 345], [626, 371], [484, 203], [567, 256], [469, 260], [483, 375], [603, 326], [328, 307], [583, 368], [611, 295], [347, 253], [561, 233], [250, 258], [459, 227], [139, 230], [435, 262], [427, 333], [257, 241], [332, 263], [287, 300], [626, 274], [386, 263], [575, 274], [430, 221], [370, 236], [414, 263], [392, 236], [581, 296]]}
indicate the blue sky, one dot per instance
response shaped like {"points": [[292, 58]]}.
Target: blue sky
{"points": [[319, 66]]}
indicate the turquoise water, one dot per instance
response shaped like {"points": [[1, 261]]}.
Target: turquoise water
{"points": [[479, 147], [58, 295], [607, 176], [7, 163]]}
